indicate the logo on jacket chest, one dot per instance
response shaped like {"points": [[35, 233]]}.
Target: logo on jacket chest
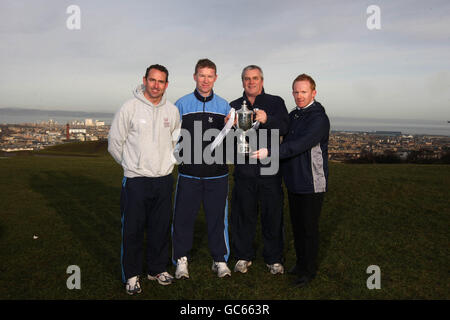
{"points": [[210, 119], [166, 123]]}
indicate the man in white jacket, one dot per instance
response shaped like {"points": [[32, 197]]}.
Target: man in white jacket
{"points": [[142, 138]]}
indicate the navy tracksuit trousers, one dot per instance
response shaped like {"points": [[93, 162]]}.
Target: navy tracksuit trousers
{"points": [[305, 212], [145, 204], [190, 193], [249, 194]]}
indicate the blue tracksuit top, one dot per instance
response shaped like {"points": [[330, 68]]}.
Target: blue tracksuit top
{"points": [[211, 112]]}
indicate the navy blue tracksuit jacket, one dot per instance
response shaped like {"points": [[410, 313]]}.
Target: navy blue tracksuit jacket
{"points": [[304, 151], [253, 190]]}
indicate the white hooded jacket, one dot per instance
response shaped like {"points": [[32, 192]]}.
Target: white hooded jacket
{"points": [[143, 136]]}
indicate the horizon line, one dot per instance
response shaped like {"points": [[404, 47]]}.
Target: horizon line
{"points": [[112, 113]]}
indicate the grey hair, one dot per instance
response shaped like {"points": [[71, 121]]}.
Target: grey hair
{"points": [[251, 67]]}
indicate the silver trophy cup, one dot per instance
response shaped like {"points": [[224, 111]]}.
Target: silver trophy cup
{"points": [[245, 123]]}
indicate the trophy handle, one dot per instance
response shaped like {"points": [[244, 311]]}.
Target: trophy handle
{"points": [[255, 125]]}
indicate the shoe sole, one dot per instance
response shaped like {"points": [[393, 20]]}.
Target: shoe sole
{"points": [[275, 273], [228, 273], [279, 272], [282, 272], [133, 293], [246, 269], [225, 275], [159, 281]]}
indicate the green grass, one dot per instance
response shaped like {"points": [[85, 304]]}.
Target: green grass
{"points": [[393, 216], [74, 149]]}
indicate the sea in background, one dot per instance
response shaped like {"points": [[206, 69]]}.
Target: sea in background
{"points": [[16, 116], [59, 119], [422, 127]]}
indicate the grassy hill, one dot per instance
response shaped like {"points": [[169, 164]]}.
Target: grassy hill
{"points": [[83, 149], [392, 216]]}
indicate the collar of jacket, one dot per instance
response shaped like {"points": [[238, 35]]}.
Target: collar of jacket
{"points": [[259, 95], [202, 98], [306, 107], [310, 107]]}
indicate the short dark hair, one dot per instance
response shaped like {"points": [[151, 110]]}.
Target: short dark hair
{"points": [[305, 77], [205, 63], [157, 67]]}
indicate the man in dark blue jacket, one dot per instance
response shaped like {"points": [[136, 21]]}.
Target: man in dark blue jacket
{"points": [[252, 189], [304, 165]]}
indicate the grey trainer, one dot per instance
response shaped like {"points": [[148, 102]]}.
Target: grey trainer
{"points": [[163, 278], [133, 286], [276, 268], [242, 266]]}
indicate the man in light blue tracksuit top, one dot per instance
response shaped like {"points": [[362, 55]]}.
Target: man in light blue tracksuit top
{"points": [[199, 182]]}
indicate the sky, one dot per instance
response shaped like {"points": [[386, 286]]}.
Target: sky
{"points": [[399, 71]]}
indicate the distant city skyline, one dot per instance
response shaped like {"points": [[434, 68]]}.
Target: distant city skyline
{"points": [[399, 71], [338, 123]]}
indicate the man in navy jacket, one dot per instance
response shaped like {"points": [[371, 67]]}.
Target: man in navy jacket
{"points": [[304, 165], [252, 189]]}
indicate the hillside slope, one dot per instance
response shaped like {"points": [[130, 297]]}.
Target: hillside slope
{"points": [[392, 216]]}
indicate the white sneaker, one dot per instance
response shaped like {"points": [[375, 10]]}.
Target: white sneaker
{"points": [[275, 268], [133, 286], [242, 265], [221, 269], [182, 268], [163, 278]]}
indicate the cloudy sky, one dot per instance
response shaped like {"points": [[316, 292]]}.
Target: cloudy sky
{"points": [[400, 71]]}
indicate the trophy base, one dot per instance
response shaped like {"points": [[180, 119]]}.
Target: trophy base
{"points": [[243, 148]]}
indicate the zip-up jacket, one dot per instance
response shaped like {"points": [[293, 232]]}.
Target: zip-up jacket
{"points": [[277, 118], [143, 136], [304, 151], [210, 112]]}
